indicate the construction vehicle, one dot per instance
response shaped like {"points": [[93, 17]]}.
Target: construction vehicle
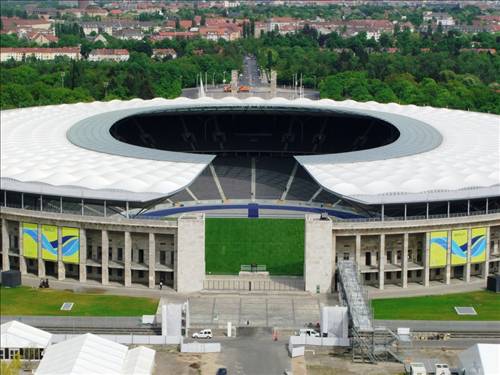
{"points": [[244, 88]]}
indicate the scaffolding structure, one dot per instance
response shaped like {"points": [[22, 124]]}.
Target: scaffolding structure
{"points": [[369, 343], [354, 296]]}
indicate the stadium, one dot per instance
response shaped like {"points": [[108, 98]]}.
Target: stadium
{"points": [[122, 192]]}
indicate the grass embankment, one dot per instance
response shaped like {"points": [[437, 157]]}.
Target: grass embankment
{"points": [[277, 243], [31, 301], [439, 307]]}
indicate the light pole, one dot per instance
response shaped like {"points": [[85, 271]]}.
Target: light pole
{"points": [[62, 78], [106, 84]]}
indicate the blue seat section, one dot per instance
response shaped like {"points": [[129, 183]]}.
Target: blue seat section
{"points": [[195, 208]]}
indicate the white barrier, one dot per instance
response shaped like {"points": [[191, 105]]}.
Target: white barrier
{"points": [[297, 351], [319, 341], [201, 347], [129, 339]]}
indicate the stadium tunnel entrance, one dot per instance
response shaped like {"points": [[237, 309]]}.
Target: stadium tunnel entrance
{"points": [[255, 150]]}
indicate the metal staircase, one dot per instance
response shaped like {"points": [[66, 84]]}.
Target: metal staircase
{"points": [[369, 343]]}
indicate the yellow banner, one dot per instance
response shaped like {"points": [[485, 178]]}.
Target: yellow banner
{"points": [[439, 248], [71, 245], [49, 242], [459, 239], [30, 240], [478, 245]]}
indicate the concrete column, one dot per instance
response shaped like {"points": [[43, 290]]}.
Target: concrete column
{"points": [[273, 83], [448, 260], [334, 253], [5, 246], [190, 261], [381, 262], [83, 255], [23, 268], [128, 260], [404, 261], [152, 259], [468, 263], [486, 264], [427, 258], [357, 250], [104, 257], [175, 258], [41, 262], [61, 271], [317, 254]]}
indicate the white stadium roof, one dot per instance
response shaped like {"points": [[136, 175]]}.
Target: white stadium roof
{"points": [[67, 150]]}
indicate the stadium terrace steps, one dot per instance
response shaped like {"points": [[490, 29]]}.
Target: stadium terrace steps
{"points": [[303, 186], [234, 176], [204, 187], [272, 175]]}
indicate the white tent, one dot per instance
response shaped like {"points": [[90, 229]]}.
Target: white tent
{"points": [[15, 334], [91, 354], [140, 361], [481, 359]]}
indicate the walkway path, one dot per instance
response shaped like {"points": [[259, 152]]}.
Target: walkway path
{"points": [[436, 287]]}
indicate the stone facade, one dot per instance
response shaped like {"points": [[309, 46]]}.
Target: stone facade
{"points": [[127, 252]]}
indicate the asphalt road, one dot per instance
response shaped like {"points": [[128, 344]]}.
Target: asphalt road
{"points": [[250, 75], [254, 353]]}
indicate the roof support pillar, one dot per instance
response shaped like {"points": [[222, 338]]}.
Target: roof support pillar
{"points": [[448, 211], [382, 212], [487, 201], [468, 207], [406, 210], [22, 201], [127, 208], [60, 205], [83, 207], [41, 202], [427, 210]]}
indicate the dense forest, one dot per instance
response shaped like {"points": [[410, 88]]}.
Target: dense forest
{"points": [[433, 68]]}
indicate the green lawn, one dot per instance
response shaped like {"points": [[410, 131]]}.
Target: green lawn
{"points": [[277, 243], [29, 301], [440, 307]]}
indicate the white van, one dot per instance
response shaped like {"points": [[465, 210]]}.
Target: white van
{"points": [[309, 332], [203, 334]]}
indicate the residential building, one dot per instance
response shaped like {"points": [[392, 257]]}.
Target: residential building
{"points": [[162, 53], [104, 54], [20, 54]]}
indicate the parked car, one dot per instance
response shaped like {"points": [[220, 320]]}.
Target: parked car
{"points": [[203, 334], [309, 332], [221, 371]]}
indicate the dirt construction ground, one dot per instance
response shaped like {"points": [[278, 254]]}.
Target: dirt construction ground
{"points": [[170, 361]]}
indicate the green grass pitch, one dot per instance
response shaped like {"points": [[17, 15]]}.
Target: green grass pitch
{"points": [[277, 243], [440, 307], [33, 301]]}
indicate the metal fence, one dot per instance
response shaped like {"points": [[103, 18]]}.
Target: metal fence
{"points": [[272, 284]]}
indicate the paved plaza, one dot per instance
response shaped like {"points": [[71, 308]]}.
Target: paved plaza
{"points": [[280, 311]]}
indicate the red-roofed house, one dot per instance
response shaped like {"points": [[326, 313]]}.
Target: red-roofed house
{"points": [[20, 54], [104, 54], [173, 35], [162, 53]]}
